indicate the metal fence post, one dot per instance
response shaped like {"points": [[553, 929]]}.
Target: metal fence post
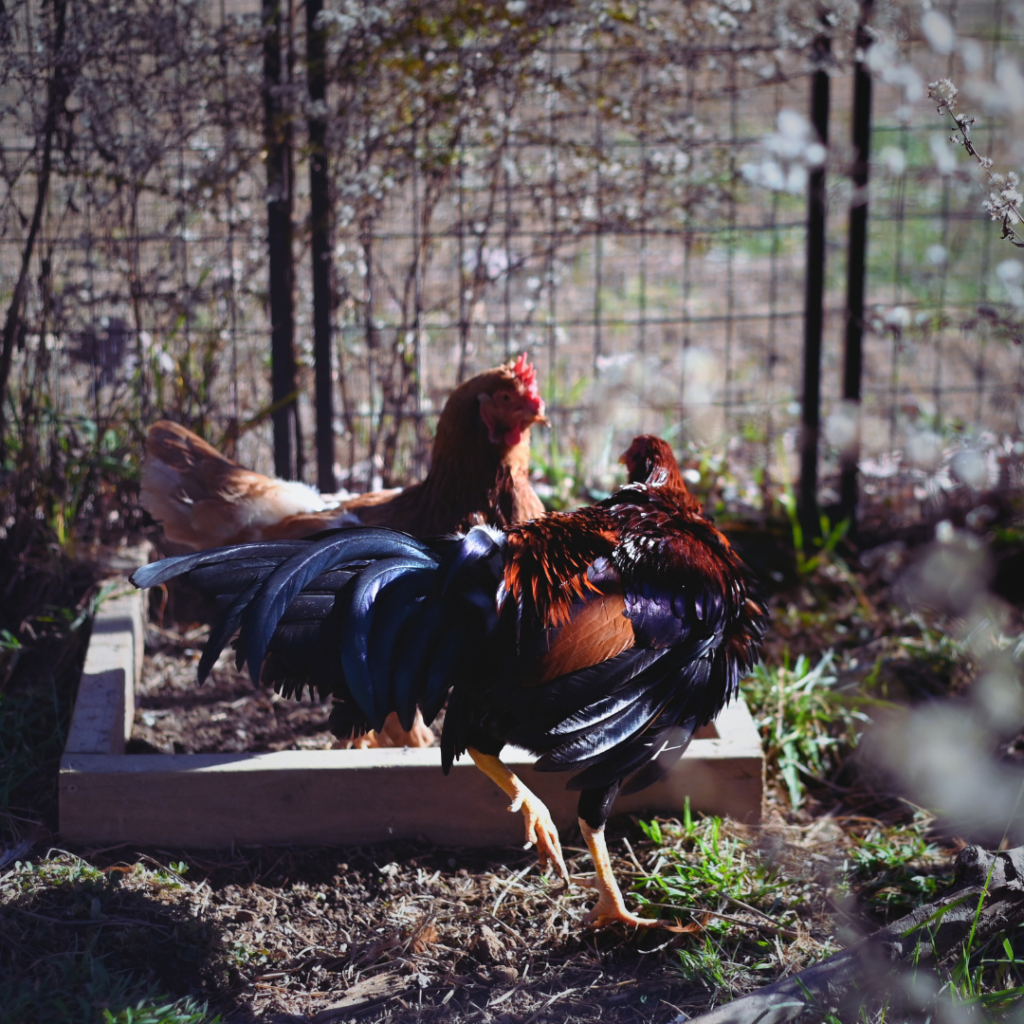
{"points": [[320, 247], [814, 299], [279, 242], [856, 260]]}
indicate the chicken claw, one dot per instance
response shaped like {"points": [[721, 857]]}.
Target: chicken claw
{"points": [[393, 735], [608, 910], [610, 907], [540, 828]]}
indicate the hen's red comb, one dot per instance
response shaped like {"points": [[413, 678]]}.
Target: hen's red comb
{"points": [[526, 373]]}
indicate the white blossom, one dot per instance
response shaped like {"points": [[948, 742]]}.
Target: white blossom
{"points": [[895, 160], [1011, 277], [1004, 200], [973, 55], [944, 93], [943, 154], [938, 32], [792, 149]]}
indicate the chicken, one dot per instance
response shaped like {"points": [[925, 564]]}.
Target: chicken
{"points": [[479, 474], [649, 460], [204, 499], [599, 639]]}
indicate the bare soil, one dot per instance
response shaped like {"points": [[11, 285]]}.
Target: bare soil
{"points": [[227, 714]]}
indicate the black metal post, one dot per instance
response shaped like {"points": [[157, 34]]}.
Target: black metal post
{"points": [[856, 261], [279, 243], [320, 247], [814, 301]]}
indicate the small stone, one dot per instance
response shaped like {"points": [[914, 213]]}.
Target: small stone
{"points": [[505, 975], [488, 946]]}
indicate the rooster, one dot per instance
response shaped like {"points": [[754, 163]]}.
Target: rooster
{"points": [[205, 500], [599, 639]]}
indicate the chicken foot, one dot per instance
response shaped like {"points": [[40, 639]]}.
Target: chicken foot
{"points": [[610, 907], [540, 828], [393, 735]]}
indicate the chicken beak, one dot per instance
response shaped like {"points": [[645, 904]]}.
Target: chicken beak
{"points": [[533, 412]]}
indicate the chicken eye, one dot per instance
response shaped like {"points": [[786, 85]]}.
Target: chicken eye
{"points": [[505, 396]]}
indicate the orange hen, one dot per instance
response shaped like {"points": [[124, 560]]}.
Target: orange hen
{"points": [[204, 499]]}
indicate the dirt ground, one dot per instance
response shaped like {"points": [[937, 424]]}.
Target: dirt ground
{"points": [[227, 714], [393, 932], [402, 932], [405, 933], [408, 932]]}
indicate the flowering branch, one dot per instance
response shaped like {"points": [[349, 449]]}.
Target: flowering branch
{"points": [[1003, 203]]}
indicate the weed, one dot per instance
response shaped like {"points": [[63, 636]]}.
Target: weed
{"points": [[894, 869], [830, 538], [717, 866], [80, 988], [100, 943], [705, 964], [185, 1011], [746, 898], [980, 980], [806, 723]]}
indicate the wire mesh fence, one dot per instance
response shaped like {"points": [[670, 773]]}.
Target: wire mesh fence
{"points": [[619, 192]]}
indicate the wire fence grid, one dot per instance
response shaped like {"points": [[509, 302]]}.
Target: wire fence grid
{"points": [[619, 193]]}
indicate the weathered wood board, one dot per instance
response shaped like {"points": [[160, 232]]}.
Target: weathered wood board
{"points": [[332, 796], [105, 708]]}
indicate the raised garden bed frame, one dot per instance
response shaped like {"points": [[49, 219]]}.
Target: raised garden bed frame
{"points": [[331, 796]]}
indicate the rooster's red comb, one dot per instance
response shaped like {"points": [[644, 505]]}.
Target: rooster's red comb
{"points": [[526, 373]]}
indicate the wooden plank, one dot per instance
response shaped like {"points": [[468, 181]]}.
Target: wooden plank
{"points": [[364, 796], [119, 565], [105, 707]]}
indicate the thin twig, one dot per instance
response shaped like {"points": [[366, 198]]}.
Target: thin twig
{"points": [[512, 881], [554, 998], [751, 910], [632, 855], [1003, 202]]}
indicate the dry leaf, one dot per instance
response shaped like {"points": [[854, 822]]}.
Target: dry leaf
{"points": [[424, 938]]}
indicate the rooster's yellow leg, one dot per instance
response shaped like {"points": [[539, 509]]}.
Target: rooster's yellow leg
{"points": [[610, 906], [540, 829]]}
